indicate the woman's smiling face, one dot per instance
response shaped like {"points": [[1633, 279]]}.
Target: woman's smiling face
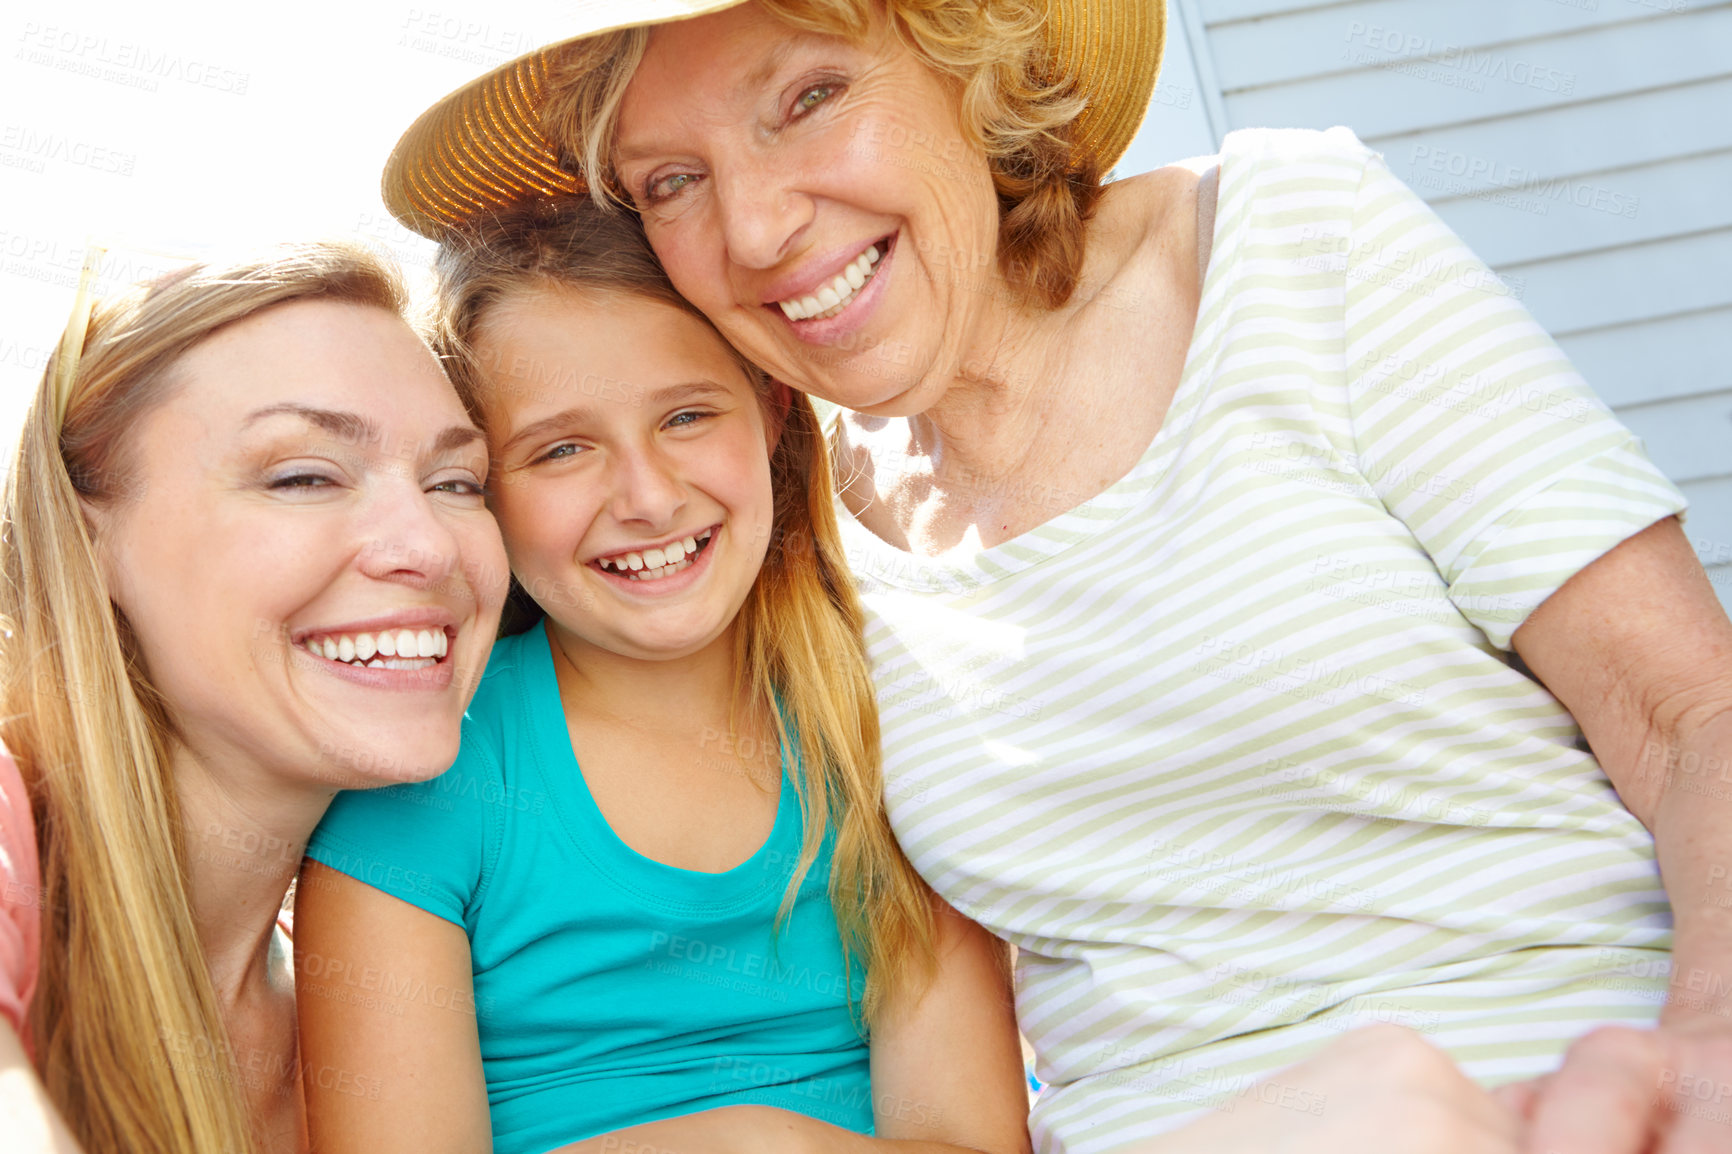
{"points": [[818, 199], [311, 486]]}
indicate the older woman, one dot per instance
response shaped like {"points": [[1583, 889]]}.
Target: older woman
{"points": [[1273, 633], [246, 563]]}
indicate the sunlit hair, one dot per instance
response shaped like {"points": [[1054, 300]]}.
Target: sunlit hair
{"points": [[125, 1025], [800, 650], [995, 54]]}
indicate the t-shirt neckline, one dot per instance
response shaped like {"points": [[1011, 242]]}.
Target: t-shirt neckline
{"points": [[765, 870]]}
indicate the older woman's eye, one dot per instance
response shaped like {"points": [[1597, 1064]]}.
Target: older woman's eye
{"points": [[669, 186], [813, 97]]}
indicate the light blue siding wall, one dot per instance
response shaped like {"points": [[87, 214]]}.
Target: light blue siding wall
{"points": [[1582, 147]]}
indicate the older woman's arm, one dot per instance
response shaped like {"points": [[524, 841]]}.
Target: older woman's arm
{"points": [[1639, 650]]}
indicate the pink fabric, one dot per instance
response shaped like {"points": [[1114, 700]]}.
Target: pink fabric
{"points": [[20, 899]]}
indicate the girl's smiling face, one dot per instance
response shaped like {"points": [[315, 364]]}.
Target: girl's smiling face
{"points": [[818, 200], [631, 465]]}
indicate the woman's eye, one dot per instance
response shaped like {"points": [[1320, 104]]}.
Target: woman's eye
{"points": [[300, 482], [669, 186], [462, 487], [813, 97]]}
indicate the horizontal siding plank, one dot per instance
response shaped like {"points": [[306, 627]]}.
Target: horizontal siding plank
{"points": [[1690, 439], [1387, 95], [1302, 43], [1641, 128], [1569, 294], [1658, 360], [1555, 218]]}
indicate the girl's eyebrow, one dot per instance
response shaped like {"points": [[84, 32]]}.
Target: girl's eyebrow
{"points": [[665, 395]]}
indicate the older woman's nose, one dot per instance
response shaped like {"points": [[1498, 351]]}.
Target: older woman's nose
{"points": [[762, 215]]}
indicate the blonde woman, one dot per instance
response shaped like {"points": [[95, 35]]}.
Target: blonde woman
{"points": [[233, 478], [1273, 632]]}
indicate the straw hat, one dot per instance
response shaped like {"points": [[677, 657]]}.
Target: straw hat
{"points": [[481, 147]]}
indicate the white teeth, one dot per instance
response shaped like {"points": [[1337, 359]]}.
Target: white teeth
{"points": [[833, 297], [654, 559], [674, 553], [634, 560], [690, 545], [419, 648]]}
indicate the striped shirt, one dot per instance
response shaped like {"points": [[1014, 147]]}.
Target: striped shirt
{"points": [[1233, 752]]}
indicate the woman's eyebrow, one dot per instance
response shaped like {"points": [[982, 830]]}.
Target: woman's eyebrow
{"points": [[456, 437], [347, 425]]}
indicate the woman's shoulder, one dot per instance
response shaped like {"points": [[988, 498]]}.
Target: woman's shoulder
{"points": [[20, 896]]}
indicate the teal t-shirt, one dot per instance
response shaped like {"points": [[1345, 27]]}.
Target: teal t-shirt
{"points": [[610, 989]]}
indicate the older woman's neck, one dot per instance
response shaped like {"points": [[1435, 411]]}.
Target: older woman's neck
{"points": [[245, 830]]}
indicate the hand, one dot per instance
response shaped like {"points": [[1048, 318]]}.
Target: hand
{"points": [[1380, 1090], [1629, 1091]]}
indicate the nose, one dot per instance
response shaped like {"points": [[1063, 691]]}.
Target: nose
{"points": [[645, 487], [405, 539], [762, 212]]}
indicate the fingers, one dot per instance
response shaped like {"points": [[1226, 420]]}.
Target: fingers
{"points": [[1604, 1099], [1520, 1098]]}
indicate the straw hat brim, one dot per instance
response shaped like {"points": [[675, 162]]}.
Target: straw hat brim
{"points": [[481, 148]]}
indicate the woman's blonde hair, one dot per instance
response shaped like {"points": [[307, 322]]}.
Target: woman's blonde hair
{"points": [[993, 51], [801, 650], [126, 1029]]}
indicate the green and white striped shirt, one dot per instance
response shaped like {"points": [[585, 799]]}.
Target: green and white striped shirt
{"points": [[1232, 751]]}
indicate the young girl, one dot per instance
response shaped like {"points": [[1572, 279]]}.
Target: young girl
{"points": [[657, 892]]}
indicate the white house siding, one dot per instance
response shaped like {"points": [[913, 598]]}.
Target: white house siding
{"points": [[1582, 147]]}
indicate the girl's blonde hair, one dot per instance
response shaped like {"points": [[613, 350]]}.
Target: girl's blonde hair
{"points": [[125, 1026], [801, 651], [1013, 105]]}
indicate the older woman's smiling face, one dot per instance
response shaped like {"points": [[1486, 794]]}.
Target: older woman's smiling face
{"points": [[818, 199]]}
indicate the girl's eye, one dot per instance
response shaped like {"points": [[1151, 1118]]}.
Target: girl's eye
{"points": [[687, 419], [558, 452], [813, 97]]}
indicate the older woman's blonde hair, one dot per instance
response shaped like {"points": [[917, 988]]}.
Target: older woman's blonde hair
{"points": [[993, 51], [126, 1029]]}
